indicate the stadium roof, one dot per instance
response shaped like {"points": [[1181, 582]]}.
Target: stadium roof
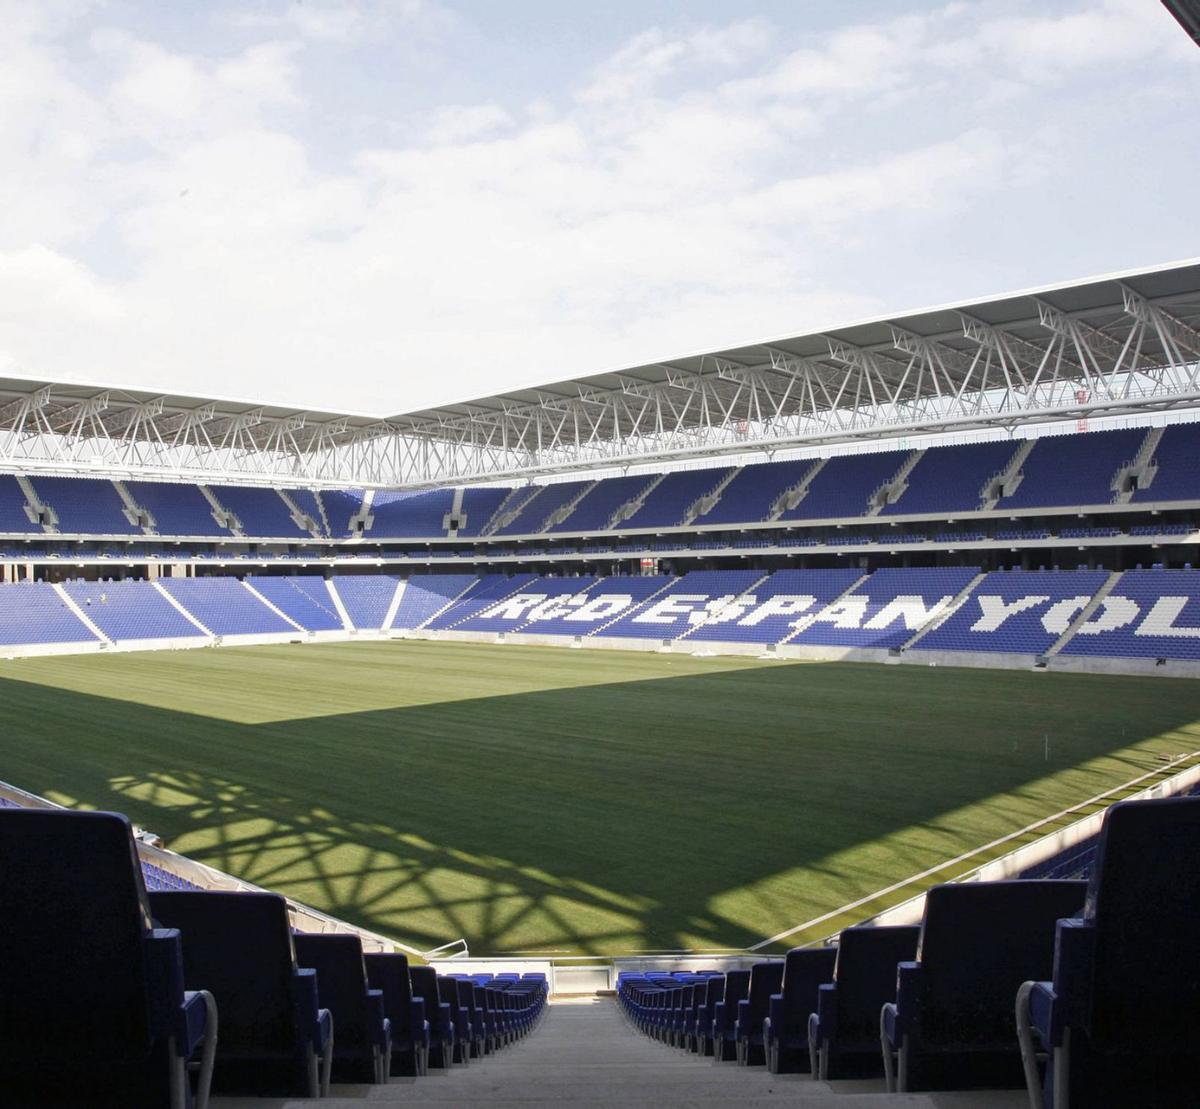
{"points": [[1119, 344]]}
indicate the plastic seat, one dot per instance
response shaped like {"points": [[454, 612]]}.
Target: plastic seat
{"points": [[765, 980], [388, 973], [785, 1031], [437, 1013], [724, 1015], [93, 1010]]}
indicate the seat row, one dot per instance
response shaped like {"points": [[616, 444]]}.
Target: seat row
{"points": [[116, 997], [1087, 993]]}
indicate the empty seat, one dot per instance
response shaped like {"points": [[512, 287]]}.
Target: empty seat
{"points": [[714, 991], [724, 1015], [952, 1021], [1120, 1017], [93, 1010], [765, 979], [361, 1032], [388, 973], [437, 1013], [274, 1040], [843, 1034], [785, 1031]]}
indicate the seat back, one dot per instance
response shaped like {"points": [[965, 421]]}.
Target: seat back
{"points": [[239, 947], [805, 970], [765, 979], [865, 973], [737, 985], [425, 985], [74, 925], [341, 982], [388, 972], [1144, 900], [714, 992], [979, 942]]}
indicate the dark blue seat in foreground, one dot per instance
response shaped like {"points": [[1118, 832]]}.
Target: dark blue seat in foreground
{"points": [[274, 1040], [437, 1013], [843, 1034], [714, 991], [724, 1015], [1120, 1018], [785, 1031], [388, 973], [93, 1010], [765, 979], [361, 1032], [951, 1025]]}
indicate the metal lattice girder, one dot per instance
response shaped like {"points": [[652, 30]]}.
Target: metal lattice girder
{"points": [[1126, 344]]}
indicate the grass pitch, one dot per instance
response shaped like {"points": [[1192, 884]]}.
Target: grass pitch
{"points": [[559, 801]]}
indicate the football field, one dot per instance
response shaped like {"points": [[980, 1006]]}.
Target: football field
{"points": [[572, 801]]}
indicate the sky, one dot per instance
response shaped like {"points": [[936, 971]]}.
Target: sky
{"points": [[376, 207]]}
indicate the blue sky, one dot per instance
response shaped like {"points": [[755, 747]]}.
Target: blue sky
{"points": [[381, 206]]}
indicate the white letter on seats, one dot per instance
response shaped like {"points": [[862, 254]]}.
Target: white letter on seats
{"points": [[601, 608], [995, 611], [556, 607], [669, 609], [782, 604], [1161, 619], [515, 607], [1057, 618], [1114, 612], [911, 608], [848, 614]]}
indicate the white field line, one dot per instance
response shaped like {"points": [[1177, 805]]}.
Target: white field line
{"points": [[1171, 768]]}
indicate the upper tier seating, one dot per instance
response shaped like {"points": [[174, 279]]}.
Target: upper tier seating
{"points": [[888, 608], [668, 502], [785, 1031], [306, 500], [1073, 469], [479, 504], [540, 597], [770, 611], [402, 514], [951, 479], [427, 594], [1018, 611], [600, 503], [13, 518], [304, 599], [1178, 459], [752, 493], [225, 606], [274, 1041], [491, 588], [1120, 1015], [341, 506], [843, 486], [683, 605], [177, 509], [362, 1034], [843, 1033], [88, 506], [261, 511], [1148, 614], [93, 1011], [536, 512], [367, 597], [130, 610], [952, 1024], [33, 612]]}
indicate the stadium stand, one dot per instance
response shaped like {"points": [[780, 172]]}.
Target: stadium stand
{"points": [[683, 605], [605, 601], [668, 502], [765, 980], [34, 612], [753, 492], [260, 511], [339, 507], [399, 514], [225, 606], [951, 479], [307, 501], [304, 599], [1016, 611], [540, 598], [843, 486], [131, 610], [599, 504], [479, 505], [177, 509], [491, 588], [1148, 614], [1177, 459], [388, 972], [84, 505], [888, 608], [13, 502], [535, 513], [1073, 469], [426, 595], [367, 597]]}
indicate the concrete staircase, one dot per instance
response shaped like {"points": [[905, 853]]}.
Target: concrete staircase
{"points": [[564, 511], [709, 616], [220, 513], [299, 518], [950, 610], [452, 601], [37, 512], [362, 520], [633, 608], [631, 506], [704, 505], [806, 621], [138, 516], [1008, 480], [510, 508], [891, 491], [1085, 614], [789, 498], [1139, 473], [81, 614]]}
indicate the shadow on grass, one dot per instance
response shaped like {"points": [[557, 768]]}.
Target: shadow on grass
{"points": [[701, 811]]}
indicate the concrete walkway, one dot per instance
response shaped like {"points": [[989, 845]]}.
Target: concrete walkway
{"points": [[584, 1053]]}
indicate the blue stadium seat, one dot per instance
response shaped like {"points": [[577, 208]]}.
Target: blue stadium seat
{"points": [[362, 1041], [785, 1031], [388, 973], [93, 1010], [437, 1013], [765, 980], [951, 1025], [843, 1033], [724, 1015], [714, 991], [274, 1040], [1119, 1019]]}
